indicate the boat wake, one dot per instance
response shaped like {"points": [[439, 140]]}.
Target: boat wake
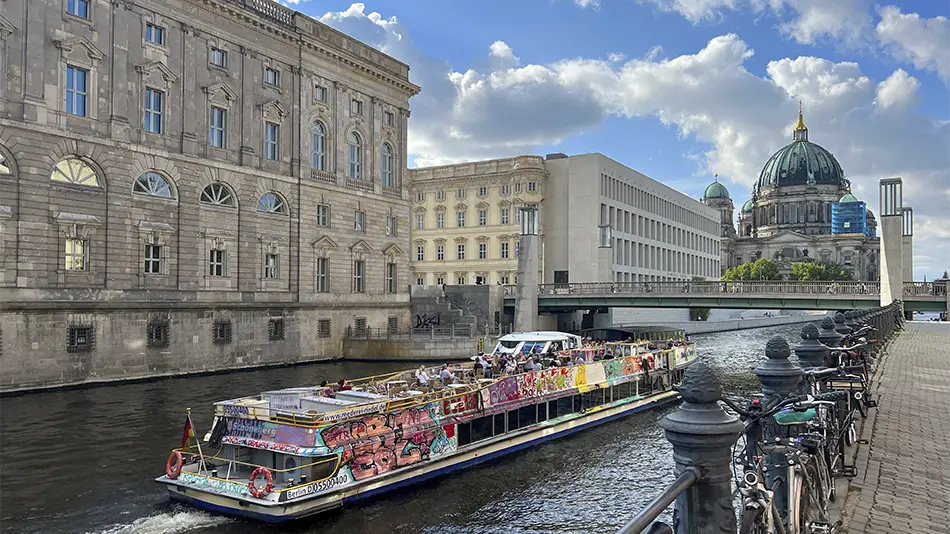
{"points": [[173, 522]]}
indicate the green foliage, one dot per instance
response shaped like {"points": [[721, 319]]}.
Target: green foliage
{"points": [[819, 271], [760, 269], [699, 314], [945, 275]]}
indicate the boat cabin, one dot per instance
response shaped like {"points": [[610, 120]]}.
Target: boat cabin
{"points": [[542, 343]]}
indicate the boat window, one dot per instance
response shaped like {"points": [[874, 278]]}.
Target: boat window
{"points": [[527, 415], [499, 424], [614, 394], [513, 420], [464, 432], [542, 412], [577, 404], [597, 397], [509, 344], [565, 405], [481, 428], [587, 400]]}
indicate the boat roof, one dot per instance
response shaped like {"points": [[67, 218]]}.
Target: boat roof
{"points": [[537, 336]]}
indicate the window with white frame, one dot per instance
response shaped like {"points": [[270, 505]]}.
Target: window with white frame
{"points": [[504, 190], [517, 216], [318, 146], [154, 34], [218, 194], [503, 278], [154, 185], [216, 259], [217, 126], [271, 266], [504, 250], [440, 195], [218, 58], [271, 203], [354, 155], [77, 87], [532, 187], [517, 188], [517, 250], [440, 219], [388, 118], [390, 225], [460, 251], [459, 194], [386, 165], [271, 76], [271, 140], [359, 273], [76, 258], [390, 278], [440, 280], [420, 197], [460, 279], [440, 252], [153, 259], [420, 279], [460, 219], [359, 221], [483, 251], [483, 191], [505, 212], [420, 253], [482, 217], [420, 221], [322, 279], [320, 93], [78, 8], [323, 215]]}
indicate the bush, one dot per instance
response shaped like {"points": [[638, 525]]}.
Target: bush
{"points": [[699, 314]]}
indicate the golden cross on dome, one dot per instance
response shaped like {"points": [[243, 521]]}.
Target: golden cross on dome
{"points": [[801, 131]]}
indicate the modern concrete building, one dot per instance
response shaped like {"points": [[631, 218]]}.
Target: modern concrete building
{"points": [[659, 234], [190, 185], [465, 219]]}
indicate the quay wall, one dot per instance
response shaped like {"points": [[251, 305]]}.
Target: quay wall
{"points": [[422, 350]]}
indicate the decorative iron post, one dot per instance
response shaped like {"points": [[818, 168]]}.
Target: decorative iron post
{"points": [[810, 351], [779, 378], [702, 435], [850, 320], [827, 334], [840, 327]]}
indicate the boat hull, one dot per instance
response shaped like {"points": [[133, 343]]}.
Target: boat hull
{"points": [[272, 512]]}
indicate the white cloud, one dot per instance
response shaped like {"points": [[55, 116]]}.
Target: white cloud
{"points": [[653, 53], [872, 128], [584, 4], [925, 43], [616, 57], [502, 56]]}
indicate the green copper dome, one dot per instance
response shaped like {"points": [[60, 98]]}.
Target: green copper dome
{"points": [[716, 190], [748, 206], [801, 163], [848, 198]]}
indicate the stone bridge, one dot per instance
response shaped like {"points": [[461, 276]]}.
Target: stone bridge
{"points": [[562, 298]]}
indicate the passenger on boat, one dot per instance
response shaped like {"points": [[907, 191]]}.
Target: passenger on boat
{"points": [[580, 360], [486, 365], [344, 385], [446, 374], [529, 366], [422, 376]]}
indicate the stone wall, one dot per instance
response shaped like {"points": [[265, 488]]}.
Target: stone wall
{"points": [[423, 350], [472, 300]]}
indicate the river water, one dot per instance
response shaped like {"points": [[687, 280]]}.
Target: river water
{"points": [[83, 461]]}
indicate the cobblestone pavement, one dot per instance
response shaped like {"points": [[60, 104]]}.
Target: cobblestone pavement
{"points": [[903, 482]]}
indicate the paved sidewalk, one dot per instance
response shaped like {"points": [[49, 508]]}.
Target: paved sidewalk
{"points": [[903, 482]]}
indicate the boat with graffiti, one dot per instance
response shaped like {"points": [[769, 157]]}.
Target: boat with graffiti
{"points": [[291, 453]]}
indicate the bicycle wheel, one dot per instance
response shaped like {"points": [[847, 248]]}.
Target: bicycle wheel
{"points": [[805, 505]]}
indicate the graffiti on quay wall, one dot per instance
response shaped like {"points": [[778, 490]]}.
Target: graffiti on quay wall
{"points": [[259, 430], [376, 444]]}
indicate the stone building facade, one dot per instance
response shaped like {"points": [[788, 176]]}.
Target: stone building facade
{"points": [[466, 222], [193, 185]]}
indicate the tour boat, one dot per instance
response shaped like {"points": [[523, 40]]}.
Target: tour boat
{"points": [[292, 453]]}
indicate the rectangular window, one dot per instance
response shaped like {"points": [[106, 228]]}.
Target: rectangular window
{"points": [[440, 195], [216, 262], [359, 221], [504, 250], [440, 220], [483, 191], [388, 118], [76, 255], [504, 215], [390, 225], [421, 280], [323, 328], [420, 197], [79, 8], [420, 253], [323, 215], [420, 221], [518, 216], [517, 188], [517, 250], [459, 194], [271, 76], [390, 278], [532, 186], [482, 217], [503, 278], [460, 251], [271, 140], [360, 324], [440, 280], [275, 329], [154, 34], [153, 259], [80, 339], [460, 279], [216, 126], [320, 93], [504, 190], [76, 90], [460, 219], [271, 266], [483, 251], [356, 106], [219, 58], [221, 332], [440, 252], [154, 110], [359, 272], [322, 281], [156, 333]]}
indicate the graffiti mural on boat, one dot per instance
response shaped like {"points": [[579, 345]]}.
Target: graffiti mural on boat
{"points": [[256, 429], [377, 444]]}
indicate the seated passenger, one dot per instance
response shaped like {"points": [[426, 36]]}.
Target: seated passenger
{"points": [[422, 376], [344, 385], [446, 374]]}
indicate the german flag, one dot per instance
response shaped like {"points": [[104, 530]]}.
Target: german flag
{"points": [[188, 433]]}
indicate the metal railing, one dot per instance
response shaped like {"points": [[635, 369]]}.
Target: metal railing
{"points": [[707, 288], [648, 515], [925, 289], [459, 331]]}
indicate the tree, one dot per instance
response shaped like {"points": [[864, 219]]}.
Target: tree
{"points": [[760, 269], [698, 314], [819, 271], [945, 275]]}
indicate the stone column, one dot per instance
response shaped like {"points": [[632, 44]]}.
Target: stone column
{"points": [[891, 215], [526, 292], [702, 435]]}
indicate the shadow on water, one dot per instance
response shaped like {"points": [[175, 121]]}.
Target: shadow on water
{"points": [[82, 461]]}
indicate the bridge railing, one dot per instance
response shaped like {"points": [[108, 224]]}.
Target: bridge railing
{"points": [[925, 289], [708, 288]]}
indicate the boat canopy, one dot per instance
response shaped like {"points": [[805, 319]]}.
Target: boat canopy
{"points": [[529, 342]]}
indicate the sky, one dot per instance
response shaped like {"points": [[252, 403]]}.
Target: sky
{"points": [[681, 90]]}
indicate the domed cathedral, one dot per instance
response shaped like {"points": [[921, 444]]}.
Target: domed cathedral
{"points": [[801, 209]]}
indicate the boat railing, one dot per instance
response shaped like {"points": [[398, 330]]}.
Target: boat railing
{"points": [[192, 452]]}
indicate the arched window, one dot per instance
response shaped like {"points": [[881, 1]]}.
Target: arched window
{"points": [[319, 146], [6, 167], [386, 162], [271, 203], [218, 194], [154, 185], [355, 154], [75, 171]]}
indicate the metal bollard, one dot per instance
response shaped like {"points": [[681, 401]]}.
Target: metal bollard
{"points": [[810, 351], [702, 435], [840, 327], [849, 320], [827, 334]]}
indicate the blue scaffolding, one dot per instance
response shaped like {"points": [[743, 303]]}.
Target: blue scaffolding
{"points": [[850, 218]]}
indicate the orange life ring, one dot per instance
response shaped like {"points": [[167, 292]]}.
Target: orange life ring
{"points": [[260, 493], [173, 465]]}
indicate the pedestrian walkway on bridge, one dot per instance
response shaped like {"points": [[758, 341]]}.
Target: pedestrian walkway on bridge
{"points": [[903, 482]]}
